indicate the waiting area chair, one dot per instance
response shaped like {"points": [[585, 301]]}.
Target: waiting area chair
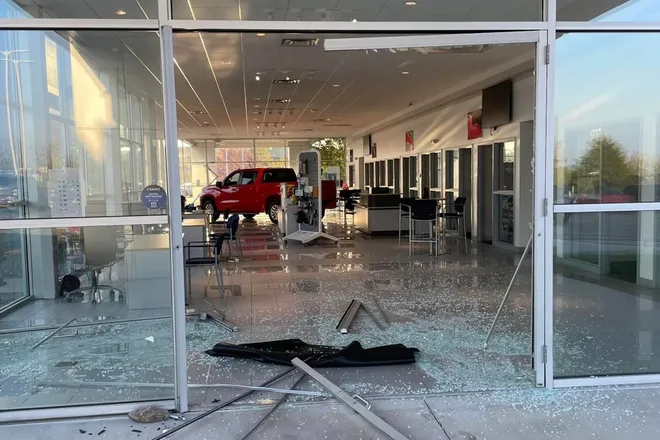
{"points": [[423, 219], [455, 212], [404, 213]]}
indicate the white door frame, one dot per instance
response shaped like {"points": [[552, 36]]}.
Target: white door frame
{"points": [[542, 272]]}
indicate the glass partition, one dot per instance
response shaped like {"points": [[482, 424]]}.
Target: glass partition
{"points": [[623, 11], [342, 10], [125, 9], [111, 288], [81, 134], [608, 139], [606, 285]]}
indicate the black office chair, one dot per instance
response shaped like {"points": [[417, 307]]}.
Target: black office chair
{"points": [[423, 211], [404, 212], [456, 211], [100, 250]]}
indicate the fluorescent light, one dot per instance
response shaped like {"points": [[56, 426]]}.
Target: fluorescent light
{"points": [[261, 34], [410, 3], [405, 73], [120, 12], [335, 85], [257, 77]]}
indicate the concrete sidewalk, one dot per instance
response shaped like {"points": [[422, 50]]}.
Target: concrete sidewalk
{"points": [[612, 413]]}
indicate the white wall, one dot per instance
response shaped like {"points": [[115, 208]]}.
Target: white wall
{"points": [[448, 125]]}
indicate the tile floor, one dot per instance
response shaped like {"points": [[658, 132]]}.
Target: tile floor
{"points": [[441, 305]]}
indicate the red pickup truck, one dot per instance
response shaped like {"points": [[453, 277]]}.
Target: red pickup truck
{"points": [[255, 190]]}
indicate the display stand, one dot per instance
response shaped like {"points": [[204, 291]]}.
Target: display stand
{"points": [[309, 199]]}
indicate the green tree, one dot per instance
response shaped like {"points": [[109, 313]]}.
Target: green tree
{"points": [[605, 163], [333, 153]]}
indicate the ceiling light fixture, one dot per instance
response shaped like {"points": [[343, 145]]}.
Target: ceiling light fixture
{"points": [[225, 63], [256, 106], [257, 77], [405, 73], [288, 79], [120, 12], [335, 85], [410, 3], [355, 20], [261, 34]]}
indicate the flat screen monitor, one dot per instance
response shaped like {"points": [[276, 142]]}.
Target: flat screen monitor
{"points": [[496, 105]]}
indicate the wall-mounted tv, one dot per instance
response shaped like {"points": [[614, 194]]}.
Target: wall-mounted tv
{"points": [[496, 105]]}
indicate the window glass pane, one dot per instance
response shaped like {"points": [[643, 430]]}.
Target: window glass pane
{"points": [[608, 10], [248, 177], [80, 9], [70, 121], [606, 293], [122, 330], [608, 121], [505, 165], [346, 11]]}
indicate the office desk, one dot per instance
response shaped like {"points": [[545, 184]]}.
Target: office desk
{"points": [[148, 282], [194, 229]]}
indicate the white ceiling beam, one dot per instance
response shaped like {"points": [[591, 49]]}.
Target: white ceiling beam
{"points": [[77, 24], [368, 43], [350, 27]]}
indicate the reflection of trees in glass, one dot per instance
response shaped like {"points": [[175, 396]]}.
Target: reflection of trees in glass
{"points": [[604, 166], [333, 153]]}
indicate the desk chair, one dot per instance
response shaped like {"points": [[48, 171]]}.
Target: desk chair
{"points": [[100, 249], [423, 211], [458, 214], [404, 212]]}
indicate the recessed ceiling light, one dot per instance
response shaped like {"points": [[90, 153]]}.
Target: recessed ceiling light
{"points": [[257, 77], [261, 34], [256, 106], [335, 85], [120, 12], [405, 73], [355, 20], [410, 3], [225, 63], [257, 99]]}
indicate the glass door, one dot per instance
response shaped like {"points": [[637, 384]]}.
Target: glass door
{"points": [[541, 290]]}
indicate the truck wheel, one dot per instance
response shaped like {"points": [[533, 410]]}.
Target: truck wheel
{"points": [[209, 208], [272, 209]]}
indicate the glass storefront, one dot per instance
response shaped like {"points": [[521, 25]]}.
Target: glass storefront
{"points": [[83, 133]]}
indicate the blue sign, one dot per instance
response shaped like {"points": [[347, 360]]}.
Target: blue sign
{"points": [[154, 197]]}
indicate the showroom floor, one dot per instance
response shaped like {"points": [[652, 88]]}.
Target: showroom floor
{"points": [[441, 305]]}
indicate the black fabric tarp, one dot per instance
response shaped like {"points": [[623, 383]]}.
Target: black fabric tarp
{"points": [[283, 352]]}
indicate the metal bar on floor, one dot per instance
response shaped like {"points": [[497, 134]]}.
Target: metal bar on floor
{"points": [[373, 317], [272, 410], [73, 384], [87, 324], [221, 406], [218, 320], [351, 402], [56, 331], [381, 310], [348, 316], [508, 290]]}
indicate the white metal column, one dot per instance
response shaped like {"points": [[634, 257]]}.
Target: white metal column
{"points": [[174, 211]]}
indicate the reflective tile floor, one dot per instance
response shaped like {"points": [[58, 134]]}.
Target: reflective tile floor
{"points": [[441, 305]]}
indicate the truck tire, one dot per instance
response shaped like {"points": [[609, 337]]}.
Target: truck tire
{"points": [[209, 208], [271, 209]]}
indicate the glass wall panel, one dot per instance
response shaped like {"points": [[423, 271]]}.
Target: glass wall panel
{"points": [[135, 10], [623, 11], [608, 119], [606, 293], [346, 10], [81, 130], [112, 286]]}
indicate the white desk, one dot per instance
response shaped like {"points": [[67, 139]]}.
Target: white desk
{"points": [[194, 229], [148, 280]]}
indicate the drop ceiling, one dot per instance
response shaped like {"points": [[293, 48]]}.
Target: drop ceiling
{"points": [[231, 85]]}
